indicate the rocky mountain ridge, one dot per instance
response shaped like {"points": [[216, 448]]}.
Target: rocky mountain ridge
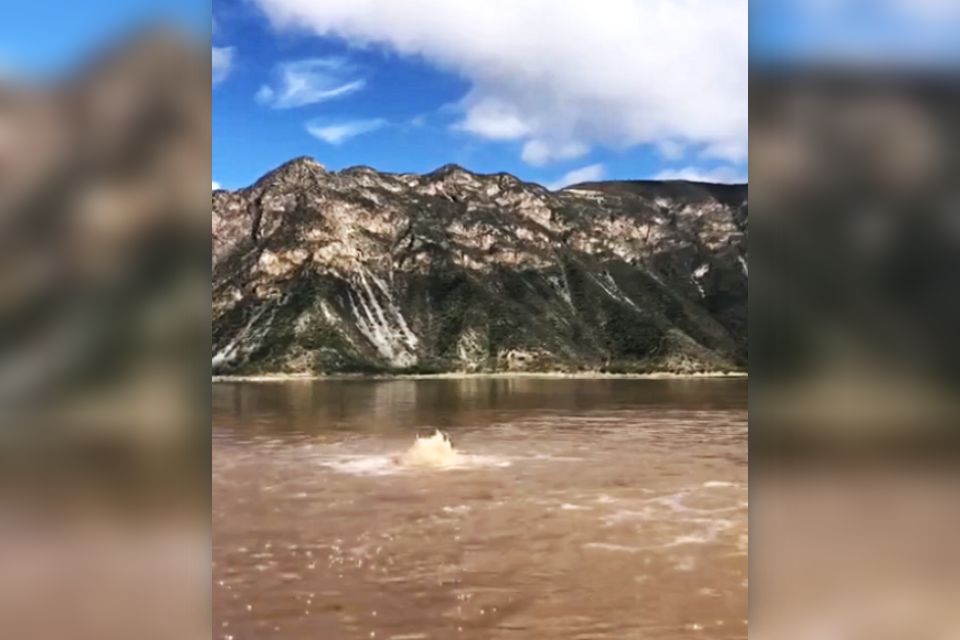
{"points": [[361, 271]]}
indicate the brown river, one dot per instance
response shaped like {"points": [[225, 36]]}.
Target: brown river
{"points": [[572, 509]]}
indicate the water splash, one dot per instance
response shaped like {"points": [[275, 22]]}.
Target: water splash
{"points": [[431, 451], [428, 452]]}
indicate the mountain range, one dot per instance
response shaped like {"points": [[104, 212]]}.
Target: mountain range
{"points": [[360, 271]]}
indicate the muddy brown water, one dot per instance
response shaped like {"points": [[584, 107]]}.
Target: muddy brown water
{"points": [[580, 509]]}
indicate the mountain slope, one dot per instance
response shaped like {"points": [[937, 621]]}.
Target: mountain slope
{"points": [[361, 271]]}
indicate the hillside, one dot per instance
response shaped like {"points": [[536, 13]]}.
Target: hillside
{"points": [[361, 271]]}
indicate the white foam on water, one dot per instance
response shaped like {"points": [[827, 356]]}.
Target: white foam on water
{"points": [[388, 465], [675, 502], [543, 456], [462, 508], [566, 506], [432, 452], [669, 521], [715, 484], [626, 515], [708, 534], [361, 465], [477, 461]]}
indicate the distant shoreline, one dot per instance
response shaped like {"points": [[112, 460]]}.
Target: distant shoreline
{"points": [[457, 375]]}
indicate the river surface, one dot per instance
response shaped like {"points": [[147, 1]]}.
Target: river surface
{"points": [[575, 509]]}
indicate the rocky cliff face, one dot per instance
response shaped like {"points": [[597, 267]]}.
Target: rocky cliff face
{"points": [[361, 271]]}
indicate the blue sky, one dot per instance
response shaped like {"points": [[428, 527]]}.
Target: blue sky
{"points": [[539, 91], [43, 38], [550, 91], [865, 31]]}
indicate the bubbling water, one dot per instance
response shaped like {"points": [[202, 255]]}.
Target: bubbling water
{"points": [[430, 451]]}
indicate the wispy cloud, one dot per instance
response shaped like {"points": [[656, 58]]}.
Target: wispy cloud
{"points": [[215, 185], [303, 82], [539, 153], [337, 133], [588, 173], [723, 174], [221, 59]]}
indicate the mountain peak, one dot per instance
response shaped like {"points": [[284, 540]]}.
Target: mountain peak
{"points": [[448, 170], [296, 171], [308, 162]]}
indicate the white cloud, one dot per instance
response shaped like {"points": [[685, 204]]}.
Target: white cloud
{"points": [[221, 60], [723, 174], [670, 149], [617, 73], [215, 185], [589, 173], [539, 152], [303, 82], [340, 132], [494, 119], [735, 151]]}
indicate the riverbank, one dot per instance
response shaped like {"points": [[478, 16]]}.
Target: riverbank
{"points": [[455, 375]]}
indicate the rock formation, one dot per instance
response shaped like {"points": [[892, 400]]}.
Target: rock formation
{"points": [[317, 271]]}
